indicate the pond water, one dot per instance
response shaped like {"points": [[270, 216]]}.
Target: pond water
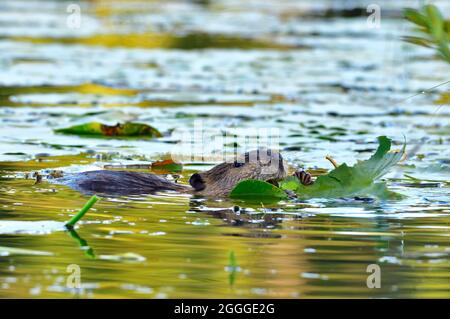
{"points": [[314, 71]]}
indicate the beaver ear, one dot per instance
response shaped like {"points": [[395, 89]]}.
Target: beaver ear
{"points": [[197, 182]]}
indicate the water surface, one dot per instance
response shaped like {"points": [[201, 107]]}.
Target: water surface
{"points": [[314, 71]]}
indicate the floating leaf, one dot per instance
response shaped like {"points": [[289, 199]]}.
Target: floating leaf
{"points": [[119, 130], [346, 181], [167, 165], [256, 190]]}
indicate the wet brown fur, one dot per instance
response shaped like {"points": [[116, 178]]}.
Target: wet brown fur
{"points": [[266, 165]]}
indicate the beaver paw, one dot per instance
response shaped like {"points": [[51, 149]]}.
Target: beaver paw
{"points": [[290, 194], [304, 177]]}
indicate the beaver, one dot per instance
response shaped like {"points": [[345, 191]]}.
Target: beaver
{"points": [[262, 164]]}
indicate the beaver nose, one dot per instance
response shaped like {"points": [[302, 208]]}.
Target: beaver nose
{"points": [[197, 182]]}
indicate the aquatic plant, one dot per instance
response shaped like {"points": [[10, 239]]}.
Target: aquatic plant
{"points": [[71, 223], [434, 28], [119, 130], [252, 189], [360, 179]]}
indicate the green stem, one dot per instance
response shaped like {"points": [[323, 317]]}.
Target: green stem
{"points": [[71, 223]]}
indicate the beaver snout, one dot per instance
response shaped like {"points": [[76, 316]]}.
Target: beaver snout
{"points": [[261, 164]]}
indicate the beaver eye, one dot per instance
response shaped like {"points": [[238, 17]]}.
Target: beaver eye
{"points": [[237, 164]]}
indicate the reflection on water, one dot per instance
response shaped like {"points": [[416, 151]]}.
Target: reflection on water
{"points": [[312, 70], [170, 246]]}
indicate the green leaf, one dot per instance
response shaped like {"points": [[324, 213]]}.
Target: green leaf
{"points": [[346, 181], [444, 51], [447, 27], [418, 41], [119, 130], [380, 163], [256, 190], [416, 17], [432, 23], [436, 21]]}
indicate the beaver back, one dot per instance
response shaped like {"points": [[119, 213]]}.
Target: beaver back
{"points": [[117, 182]]}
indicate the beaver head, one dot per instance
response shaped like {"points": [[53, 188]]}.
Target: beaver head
{"points": [[262, 164]]}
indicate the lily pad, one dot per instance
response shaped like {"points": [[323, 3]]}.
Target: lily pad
{"points": [[351, 181], [256, 190], [167, 165], [118, 130]]}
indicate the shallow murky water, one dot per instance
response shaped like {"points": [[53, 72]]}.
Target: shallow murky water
{"points": [[314, 71]]}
